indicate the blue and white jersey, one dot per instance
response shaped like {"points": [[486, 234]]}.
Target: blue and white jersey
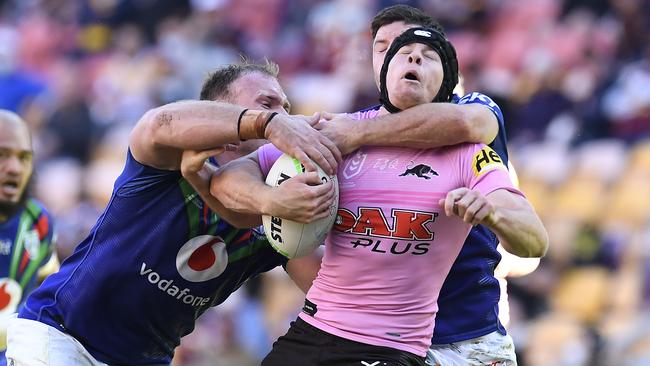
{"points": [[156, 259]]}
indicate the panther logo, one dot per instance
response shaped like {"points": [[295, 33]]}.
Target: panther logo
{"points": [[420, 171]]}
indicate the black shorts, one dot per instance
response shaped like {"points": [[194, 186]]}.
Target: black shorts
{"points": [[306, 345]]}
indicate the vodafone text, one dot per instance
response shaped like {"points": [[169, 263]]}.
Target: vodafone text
{"points": [[168, 287]]}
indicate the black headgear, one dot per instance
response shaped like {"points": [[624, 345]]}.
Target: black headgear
{"points": [[441, 45]]}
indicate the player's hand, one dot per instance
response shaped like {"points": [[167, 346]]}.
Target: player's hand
{"points": [[296, 136], [192, 161], [336, 127], [303, 198], [471, 206]]}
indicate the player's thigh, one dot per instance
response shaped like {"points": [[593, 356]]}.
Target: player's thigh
{"points": [[492, 349], [299, 346], [27, 343], [31, 343]]}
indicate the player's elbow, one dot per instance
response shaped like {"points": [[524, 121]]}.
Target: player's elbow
{"points": [[543, 243], [157, 126], [537, 245], [478, 124]]}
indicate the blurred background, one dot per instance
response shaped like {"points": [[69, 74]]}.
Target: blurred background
{"points": [[572, 78]]}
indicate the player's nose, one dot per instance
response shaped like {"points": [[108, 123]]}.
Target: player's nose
{"points": [[416, 58]]}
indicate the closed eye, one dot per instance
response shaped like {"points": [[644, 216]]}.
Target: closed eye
{"points": [[432, 55]]}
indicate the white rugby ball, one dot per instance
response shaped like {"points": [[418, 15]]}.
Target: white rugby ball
{"points": [[290, 238]]}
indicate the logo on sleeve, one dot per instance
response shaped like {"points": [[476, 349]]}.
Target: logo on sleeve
{"points": [[485, 160]]}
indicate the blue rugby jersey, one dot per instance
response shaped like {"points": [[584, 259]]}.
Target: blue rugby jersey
{"points": [[25, 246], [469, 297], [468, 301], [156, 259]]}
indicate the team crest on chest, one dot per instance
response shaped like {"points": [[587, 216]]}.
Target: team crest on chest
{"points": [[354, 165], [202, 258]]}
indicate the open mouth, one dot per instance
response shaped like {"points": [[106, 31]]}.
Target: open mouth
{"points": [[10, 184], [9, 187], [411, 76]]}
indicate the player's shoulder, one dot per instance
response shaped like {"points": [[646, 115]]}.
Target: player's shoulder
{"points": [[480, 99], [463, 148]]}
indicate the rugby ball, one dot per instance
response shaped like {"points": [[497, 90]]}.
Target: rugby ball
{"points": [[290, 238]]}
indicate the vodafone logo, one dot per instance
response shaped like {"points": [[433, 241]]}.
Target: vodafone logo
{"points": [[10, 294], [202, 258]]}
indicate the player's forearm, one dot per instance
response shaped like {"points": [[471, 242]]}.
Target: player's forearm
{"points": [[201, 183], [193, 125], [427, 126], [520, 231], [240, 187]]}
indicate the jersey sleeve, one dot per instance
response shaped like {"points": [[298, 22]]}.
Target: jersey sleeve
{"points": [[483, 170], [500, 141], [137, 177], [482, 99], [267, 155]]}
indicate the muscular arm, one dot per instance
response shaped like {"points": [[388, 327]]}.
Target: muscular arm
{"points": [[240, 186], [508, 215], [424, 126], [518, 227], [430, 125], [162, 134]]}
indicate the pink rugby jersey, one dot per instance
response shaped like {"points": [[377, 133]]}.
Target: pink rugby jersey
{"points": [[392, 245]]}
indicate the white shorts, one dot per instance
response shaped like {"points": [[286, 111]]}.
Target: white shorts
{"points": [[32, 343], [492, 349]]}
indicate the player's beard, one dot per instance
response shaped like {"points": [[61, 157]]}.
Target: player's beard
{"points": [[8, 209]]}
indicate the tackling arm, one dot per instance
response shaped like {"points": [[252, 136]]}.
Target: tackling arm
{"points": [[423, 126], [162, 134], [431, 125]]}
